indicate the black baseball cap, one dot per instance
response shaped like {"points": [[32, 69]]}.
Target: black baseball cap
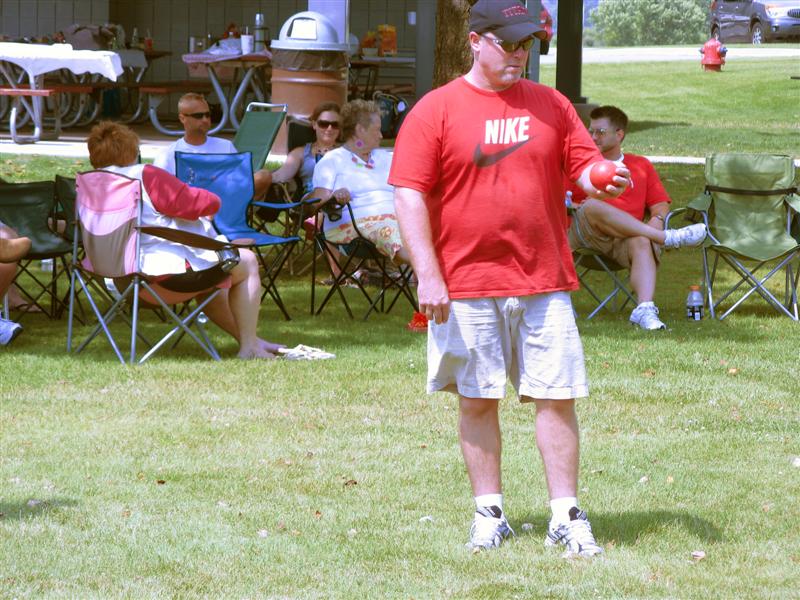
{"points": [[509, 20]]}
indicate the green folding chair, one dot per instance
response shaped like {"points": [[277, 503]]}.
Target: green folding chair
{"points": [[258, 130], [749, 204], [26, 208]]}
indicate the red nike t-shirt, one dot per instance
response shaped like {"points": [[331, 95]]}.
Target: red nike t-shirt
{"points": [[492, 165], [645, 190]]}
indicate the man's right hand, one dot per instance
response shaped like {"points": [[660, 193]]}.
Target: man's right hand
{"points": [[434, 299]]}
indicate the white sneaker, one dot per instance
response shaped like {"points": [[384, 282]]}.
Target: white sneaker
{"points": [[576, 535], [489, 528], [691, 236], [646, 316], [8, 331]]}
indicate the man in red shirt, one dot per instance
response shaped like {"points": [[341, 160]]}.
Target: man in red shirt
{"points": [[478, 170], [615, 227]]}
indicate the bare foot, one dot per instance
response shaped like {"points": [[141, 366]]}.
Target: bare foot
{"points": [[269, 346], [255, 353]]}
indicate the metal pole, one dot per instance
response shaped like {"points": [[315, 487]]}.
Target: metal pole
{"points": [[570, 51], [426, 46], [535, 9]]}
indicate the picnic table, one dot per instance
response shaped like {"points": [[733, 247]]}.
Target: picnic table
{"points": [[22, 69], [231, 93]]}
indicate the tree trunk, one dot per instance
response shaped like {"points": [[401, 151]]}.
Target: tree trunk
{"points": [[453, 56]]}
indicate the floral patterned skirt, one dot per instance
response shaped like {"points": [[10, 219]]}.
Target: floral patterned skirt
{"points": [[381, 230]]}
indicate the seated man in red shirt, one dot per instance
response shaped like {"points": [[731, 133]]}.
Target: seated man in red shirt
{"points": [[615, 227]]}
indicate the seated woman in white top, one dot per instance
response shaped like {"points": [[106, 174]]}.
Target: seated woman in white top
{"points": [[357, 173]]}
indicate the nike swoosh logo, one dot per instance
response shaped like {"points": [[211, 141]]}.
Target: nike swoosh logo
{"points": [[487, 160]]}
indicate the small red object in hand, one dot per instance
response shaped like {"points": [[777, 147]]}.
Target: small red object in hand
{"points": [[602, 174]]}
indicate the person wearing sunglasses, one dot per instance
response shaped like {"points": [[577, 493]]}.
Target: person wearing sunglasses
{"points": [[355, 174], [325, 121], [616, 227], [195, 117], [478, 173]]}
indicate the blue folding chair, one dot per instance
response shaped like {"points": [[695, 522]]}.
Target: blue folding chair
{"points": [[230, 176]]}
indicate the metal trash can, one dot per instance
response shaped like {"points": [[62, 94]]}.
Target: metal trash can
{"points": [[309, 66]]}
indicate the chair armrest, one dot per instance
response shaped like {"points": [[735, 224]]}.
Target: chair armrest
{"points": [[793, 200], [689, 213], [193, 239], [276, 205], [702, 202]]}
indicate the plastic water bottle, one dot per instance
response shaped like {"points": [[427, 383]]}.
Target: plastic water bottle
{"points": [[694, 303]]}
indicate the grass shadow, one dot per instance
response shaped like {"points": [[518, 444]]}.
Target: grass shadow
{"points": [[25, 509], [636, 126], [627, 527]]}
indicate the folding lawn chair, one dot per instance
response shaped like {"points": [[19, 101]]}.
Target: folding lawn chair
{"points": [[109, 222], [300, 133], [258, 130], [230, 176], [588, 261], [351, 260], [749, 204], [26, 208]]}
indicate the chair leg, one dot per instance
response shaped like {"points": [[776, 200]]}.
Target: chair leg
{"points": [[183, 325]]}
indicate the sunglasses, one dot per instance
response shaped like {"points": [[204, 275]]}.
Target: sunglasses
{"points": [[510, 47], [323, 124], [601, 131], [198, 116]]}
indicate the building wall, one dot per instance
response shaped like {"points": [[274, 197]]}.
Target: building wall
{"points": [[171, 22], [37, 18]]}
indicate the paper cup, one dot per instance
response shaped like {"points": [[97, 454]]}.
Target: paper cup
{"points": [[247, 44]]}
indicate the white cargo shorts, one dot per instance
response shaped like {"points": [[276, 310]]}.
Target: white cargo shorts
{"points": [[530, 340]]}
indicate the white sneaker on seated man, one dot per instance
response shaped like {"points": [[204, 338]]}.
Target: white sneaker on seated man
{"points": [[616, 228]]}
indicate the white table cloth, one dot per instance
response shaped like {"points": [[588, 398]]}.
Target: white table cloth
{"points": [[37, 59]]}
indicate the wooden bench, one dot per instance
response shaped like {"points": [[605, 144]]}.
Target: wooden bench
{"points": [[35, 107], [169, 87], [51, 89]]}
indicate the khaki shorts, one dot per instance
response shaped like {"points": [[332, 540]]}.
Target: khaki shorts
{"points": [[530, 340], [581, 234]]}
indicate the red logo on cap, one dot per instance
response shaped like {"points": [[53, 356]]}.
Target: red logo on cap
{"points": [[514, 11]]}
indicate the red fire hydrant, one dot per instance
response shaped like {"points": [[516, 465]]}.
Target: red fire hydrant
{"points": [[713, 55]]}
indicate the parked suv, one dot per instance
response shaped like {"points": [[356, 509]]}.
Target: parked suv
{"points": [[755, 21]]}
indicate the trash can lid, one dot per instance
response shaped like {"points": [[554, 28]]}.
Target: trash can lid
{"points": [[308, 30]]}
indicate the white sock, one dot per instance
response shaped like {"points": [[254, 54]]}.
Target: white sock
{"points": [[669, 238], [489, 500], [560, 508], [645, 304]]}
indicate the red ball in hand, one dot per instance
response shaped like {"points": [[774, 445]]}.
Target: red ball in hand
{"points": [[602, 174]]}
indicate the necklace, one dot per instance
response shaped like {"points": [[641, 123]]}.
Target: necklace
{"points": [[316, 148], [359, 161]]}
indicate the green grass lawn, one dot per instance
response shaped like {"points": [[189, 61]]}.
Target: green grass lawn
{"points": [[342, 479], [677, 109]]}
